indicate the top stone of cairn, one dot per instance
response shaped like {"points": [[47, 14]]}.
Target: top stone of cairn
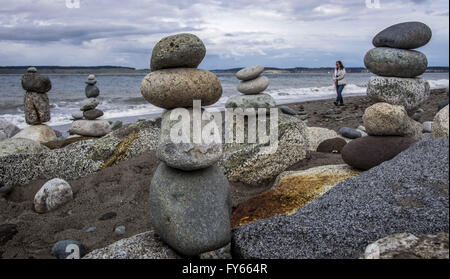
{"points": [[250, 73], [178, 51], [33, 82], [407, 35]]}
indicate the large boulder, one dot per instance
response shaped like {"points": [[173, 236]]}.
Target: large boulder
{"points": [[20, 146], [291, 191], [7, 129], [410, 93], [172, 88], [37, 108], [392, 62], [383, 119], [39, 133], [409, 246], [406, 194], [440, 124], [406, 35], [178, 51], [368, 152], [191, 210]]}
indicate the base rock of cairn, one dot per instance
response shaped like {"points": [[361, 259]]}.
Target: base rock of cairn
{"points": [[189, 210]]}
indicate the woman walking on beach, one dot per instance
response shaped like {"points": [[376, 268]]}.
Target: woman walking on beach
{"points": [[339, 82]]}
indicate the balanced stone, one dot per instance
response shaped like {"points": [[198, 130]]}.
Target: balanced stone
{"points": [[77, 115], [393, 62], [172, 88], [383, 119], [251, 101], [32, 70], [34, 82], [406, 35], [254, 86], [39, 133], [91, 90], [91, 128], [37, 108], [410, 93], [91, 77], [250, 73], [92, 114], [368, 152], [191, 211], [178, 51], [187, 155], [89, 104]]}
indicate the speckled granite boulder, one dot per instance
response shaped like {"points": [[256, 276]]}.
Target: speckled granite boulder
{"points": [[391, 62], [410, 93], [37, 108], [251, 101], [441, 124], [409, 246], [191, 210], [172, 88], [20, 146], [178, 51], [406, 35], [406, 194]]}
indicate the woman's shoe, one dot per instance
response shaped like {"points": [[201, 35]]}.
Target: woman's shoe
{"points": [[335, 103]]}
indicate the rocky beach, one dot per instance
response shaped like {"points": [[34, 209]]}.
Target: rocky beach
{"points": [[366, 180]]}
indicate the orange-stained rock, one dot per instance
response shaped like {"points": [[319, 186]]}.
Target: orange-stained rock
{"points": [[292, 190]]}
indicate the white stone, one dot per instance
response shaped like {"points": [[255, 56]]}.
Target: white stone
{"points": [[52, 195], [39, 133]]}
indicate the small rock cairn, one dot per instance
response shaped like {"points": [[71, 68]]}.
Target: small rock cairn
{"points": [[190, 205], [252, 85], [90, 127], [37, 105]]}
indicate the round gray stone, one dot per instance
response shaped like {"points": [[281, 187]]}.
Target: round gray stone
{"points": [[250, 73], [191, 211], [410, 93], [91, 77], [77, 115], [251, 101], [392, 62], [61, 248], [120, 230], [32, 70], [91, 128], [406, 35], [92, 91], [427, 127], [34, 82], [92, 114], [178, 51], [254, 86], [349, 133], [89, 104], [186, 156]]}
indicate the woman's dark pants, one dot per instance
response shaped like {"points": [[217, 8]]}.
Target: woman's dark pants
{"points": [[339, 98]]}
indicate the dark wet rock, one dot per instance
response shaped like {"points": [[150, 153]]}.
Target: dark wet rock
{"points": [[406, 35]]}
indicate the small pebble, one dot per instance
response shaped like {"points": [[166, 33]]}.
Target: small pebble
{"points": [[120, 230], [91, 229]]}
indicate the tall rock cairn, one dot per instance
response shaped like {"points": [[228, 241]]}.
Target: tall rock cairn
{"points": [[251, 85], [190, 203], [398, 66], [90, 126], [37, 105]]}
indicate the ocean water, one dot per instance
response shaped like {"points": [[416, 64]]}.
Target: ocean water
{"points": [[120, 94]]}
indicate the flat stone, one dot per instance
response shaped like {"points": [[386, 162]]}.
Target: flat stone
{"points": [[288, 110], [53, 194], [406, 35], [251, 101], [178, 51], [37, 108], [254, 86], [91, 128], [392, 62], [92, 114], [187, 155], [89, 104], [59, 250], [333, 145], [368, 152], [172, 88], [20, 146], [349, 133], [39, 133], [291, 191], [383, 119], [7, 129], [441, 124], [191, 211], [406, 194], [33, 82], [409, 246], [250, 73], [410, 93]]}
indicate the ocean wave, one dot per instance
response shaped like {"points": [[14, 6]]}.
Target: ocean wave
{"points": [[439, 83]]}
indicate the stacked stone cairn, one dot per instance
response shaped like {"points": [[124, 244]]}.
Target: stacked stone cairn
{"points": [[190, 202], [91, 126], [36, 107], [398, 93], [251, 86]]}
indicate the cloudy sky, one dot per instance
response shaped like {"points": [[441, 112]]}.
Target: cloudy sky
{"points": [[279, 33]]}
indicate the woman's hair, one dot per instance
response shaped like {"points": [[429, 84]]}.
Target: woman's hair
{"points": [[341, 66]]}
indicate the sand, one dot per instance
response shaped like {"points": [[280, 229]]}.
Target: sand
{"points": [[123, 189]]}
